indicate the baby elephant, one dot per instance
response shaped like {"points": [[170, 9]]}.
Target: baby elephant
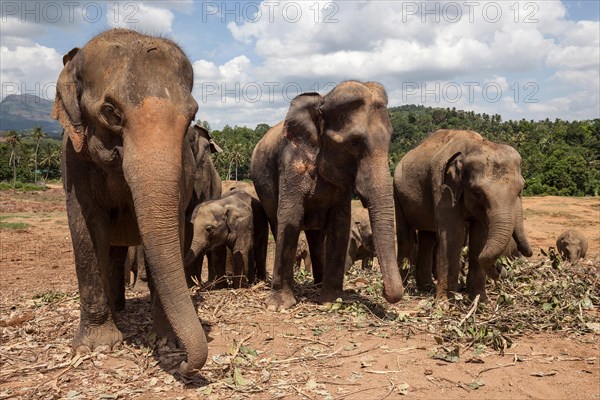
{"points": [[302, 254], [226, 222], [360, 246], [572, 245]]}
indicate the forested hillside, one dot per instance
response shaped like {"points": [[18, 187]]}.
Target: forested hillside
{"points": [[559, 157]]}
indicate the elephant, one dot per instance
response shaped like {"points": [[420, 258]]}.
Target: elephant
{"points": [[125, 103], [305, 170], [227, 221], [572, 245], [302, 254], [260, 224], [452, 177], [207, 186], [360, 246]]}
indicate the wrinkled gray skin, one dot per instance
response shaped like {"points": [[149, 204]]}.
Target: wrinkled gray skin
{"points": [[125, 103], [302, 254], [207, 186], [450, 178], [261, 230], [572, 245], [360, 246], [305, 170], [226, 222]]}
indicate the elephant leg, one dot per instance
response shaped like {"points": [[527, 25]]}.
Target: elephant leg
{"points": [[476, 275], [289, 218], [217, 267], [193, 271], [316, 248], [116, 278], [366, 263], [241, 261], [406, 238], [447, 262], [97, 328], [307, 262], [261, 242], [351, 255], [130, 267], [427, 242], [336, 245], [141, 263]]}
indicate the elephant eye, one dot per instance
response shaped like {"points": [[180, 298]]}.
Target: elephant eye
{"points": [[111, 116], [210, 228]]}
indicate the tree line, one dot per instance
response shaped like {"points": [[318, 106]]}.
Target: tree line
{"points": [[558, 157]]}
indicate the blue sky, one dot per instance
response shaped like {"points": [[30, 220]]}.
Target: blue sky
{"points": [[520, 59]]}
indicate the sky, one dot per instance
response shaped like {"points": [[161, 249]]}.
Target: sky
{"points": [[519, 59]]}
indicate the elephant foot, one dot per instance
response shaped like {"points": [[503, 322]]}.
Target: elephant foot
{"points": [[105, 337], [330, 296], [426, 288], [240, 283], [482, 295], [280, 300]]}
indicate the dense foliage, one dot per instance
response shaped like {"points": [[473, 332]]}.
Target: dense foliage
{"points": [[559, 157]]}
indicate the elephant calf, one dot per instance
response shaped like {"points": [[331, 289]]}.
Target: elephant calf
{"points": [[360, 246], [302, 254], [572, 245], [226, 222]]}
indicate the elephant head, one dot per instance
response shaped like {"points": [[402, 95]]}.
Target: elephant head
{"points": [[572, 245], [347, 134], [487, 180], [219, 222], [125, 103]]}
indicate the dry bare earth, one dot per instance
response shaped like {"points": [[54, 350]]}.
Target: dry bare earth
{"points": [[361, 348]]}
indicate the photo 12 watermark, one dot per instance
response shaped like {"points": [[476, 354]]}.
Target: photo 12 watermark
{"points": [[52, 12]]}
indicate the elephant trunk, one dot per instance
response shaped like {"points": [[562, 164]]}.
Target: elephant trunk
{"points": [[152, 166], [519, 232], [196, 248], [500, 229], [374, 186]]}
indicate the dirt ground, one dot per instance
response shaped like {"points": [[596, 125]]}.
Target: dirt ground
{"points": [[309, 352]]}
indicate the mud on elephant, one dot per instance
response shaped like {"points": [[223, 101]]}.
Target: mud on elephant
{"points": [[450, 178], [305, 170], [125, 103]]}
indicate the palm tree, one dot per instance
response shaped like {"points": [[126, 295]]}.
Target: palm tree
{"points": [[50, 159], [14, 140], [37, 134]]}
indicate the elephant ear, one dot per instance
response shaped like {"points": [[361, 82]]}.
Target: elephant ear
{"points": [[303, 123], [66, 107], [203, 132], [235, 217], [453, 172]]}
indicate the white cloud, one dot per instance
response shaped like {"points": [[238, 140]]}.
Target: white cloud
{"points": [[142, 17], [29, 69], [396, 43]]}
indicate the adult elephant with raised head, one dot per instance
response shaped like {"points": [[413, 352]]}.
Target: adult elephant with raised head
{"points": [[305, 170], [450, 178], [125, 103]]}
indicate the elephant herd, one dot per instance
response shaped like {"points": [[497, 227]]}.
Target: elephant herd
{"points": [[141, 190]]}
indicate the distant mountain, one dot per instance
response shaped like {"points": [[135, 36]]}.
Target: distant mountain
{"points": [[23, 111]]}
